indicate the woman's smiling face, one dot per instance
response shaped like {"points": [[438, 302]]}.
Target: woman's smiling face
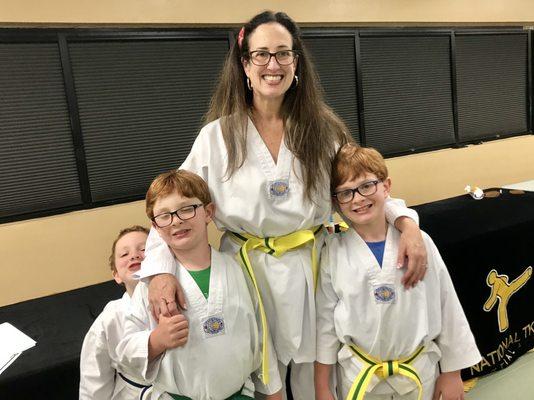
{"points": [[271, 81]]}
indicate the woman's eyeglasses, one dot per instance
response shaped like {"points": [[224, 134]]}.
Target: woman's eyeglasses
{"points": [[282, 57]]}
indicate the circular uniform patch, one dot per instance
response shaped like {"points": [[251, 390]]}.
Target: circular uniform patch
{"points": [[213, 325], [279, 188], [384, 294]]}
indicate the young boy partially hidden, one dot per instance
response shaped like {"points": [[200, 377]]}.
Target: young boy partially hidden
{"points": [[101, 376]]}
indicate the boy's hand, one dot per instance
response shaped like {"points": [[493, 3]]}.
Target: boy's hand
{"points": [[411, 247], [170, 333], [449, 386], [165, 296], [321, 381], [277, 396], [324, 395]]}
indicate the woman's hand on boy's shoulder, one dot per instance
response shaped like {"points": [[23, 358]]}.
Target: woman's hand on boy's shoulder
{"points": [[412, 252], [165, 295]]}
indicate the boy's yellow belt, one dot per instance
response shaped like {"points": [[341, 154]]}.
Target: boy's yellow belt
{"points": [[275, 246], [382, 369]]}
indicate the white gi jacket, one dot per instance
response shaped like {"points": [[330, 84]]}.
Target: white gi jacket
{"points": [[207, 367], [99, 359], [348, 311], [245, 203]]}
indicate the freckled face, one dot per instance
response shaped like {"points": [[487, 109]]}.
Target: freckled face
{"points": [[365, 210], [273, 80], [183, 235]]}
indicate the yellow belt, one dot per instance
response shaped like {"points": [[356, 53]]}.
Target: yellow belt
{"points": [[382, 369], [275, 246]]}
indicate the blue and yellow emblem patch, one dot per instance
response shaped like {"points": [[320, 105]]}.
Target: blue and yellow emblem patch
{"points": [[279, 188], [213, 326], [384, 294]]}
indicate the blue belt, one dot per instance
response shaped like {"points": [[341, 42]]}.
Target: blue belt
{"points": [[137, 385]]}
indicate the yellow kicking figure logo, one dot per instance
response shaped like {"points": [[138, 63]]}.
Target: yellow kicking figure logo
{"points": [[502, 290]]}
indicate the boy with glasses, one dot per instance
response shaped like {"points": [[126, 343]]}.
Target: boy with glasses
{"points": [[386, 340], [223, 343]]}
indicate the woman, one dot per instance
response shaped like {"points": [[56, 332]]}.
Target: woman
{"points": [[266, 154]]}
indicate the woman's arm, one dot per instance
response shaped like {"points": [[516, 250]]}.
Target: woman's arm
{"points": [[412, 253], [165, 294]]}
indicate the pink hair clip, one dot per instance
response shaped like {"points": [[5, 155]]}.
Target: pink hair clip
{"points": [[240, 37]]}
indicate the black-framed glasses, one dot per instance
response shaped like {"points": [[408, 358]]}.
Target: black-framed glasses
{"points": [[365, 189], [282, 57], [165, 219]]}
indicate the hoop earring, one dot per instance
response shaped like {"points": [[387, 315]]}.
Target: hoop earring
{"points": [[248, 84], [296, 80]]}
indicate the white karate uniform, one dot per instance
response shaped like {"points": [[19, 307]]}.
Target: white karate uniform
{"points": [[348, 312], [244, 204], [207, 367], [99, 360]]}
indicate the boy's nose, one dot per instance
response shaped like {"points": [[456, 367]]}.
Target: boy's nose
{"points": [[357, 198], [176, 221]]}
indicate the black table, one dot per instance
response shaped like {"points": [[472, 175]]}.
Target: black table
{"points": [[489, 243], [58, 323]]}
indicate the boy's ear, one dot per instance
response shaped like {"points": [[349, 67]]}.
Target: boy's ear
{"points": [[387, 186], [117, 277], [210, 212]]}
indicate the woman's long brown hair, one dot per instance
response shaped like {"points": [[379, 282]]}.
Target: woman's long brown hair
{"points": [[312, 131]]}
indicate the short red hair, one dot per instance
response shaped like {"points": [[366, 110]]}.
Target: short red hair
{"points": [[352, 161], [185, 183]]}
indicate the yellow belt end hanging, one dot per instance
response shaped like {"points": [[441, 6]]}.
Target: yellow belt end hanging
{"points": [[275, 246], [245, 261]]}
